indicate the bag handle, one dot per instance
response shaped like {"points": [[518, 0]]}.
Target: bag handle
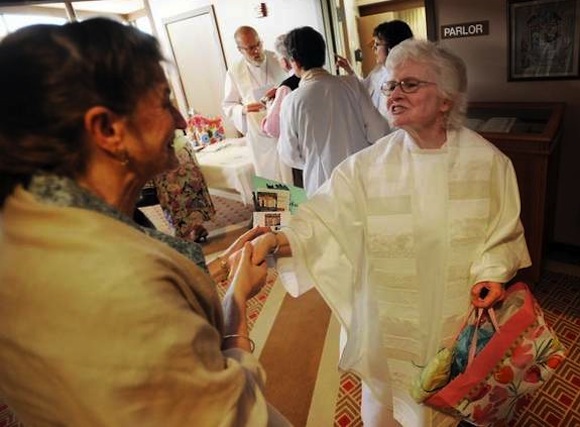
{"points": [[492, 318]]}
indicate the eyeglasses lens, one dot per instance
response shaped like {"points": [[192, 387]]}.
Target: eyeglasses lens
{"points": [[407, 86]]}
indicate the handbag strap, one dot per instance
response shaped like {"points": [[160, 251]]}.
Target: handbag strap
{"points": [[473, 345]]}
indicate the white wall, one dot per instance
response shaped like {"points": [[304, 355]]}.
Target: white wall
{"points": [[486, 58], [283, 15]]}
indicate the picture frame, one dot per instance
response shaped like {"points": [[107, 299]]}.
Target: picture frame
{"points": [[274, 220], [544, 38], [272, 200]]}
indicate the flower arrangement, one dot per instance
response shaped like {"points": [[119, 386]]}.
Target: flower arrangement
{"points": [[205, 130]]}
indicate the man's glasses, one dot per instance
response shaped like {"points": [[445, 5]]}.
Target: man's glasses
{"points": [[407, 86], [251, 48]]}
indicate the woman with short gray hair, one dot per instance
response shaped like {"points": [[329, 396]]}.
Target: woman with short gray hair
{"points": [[406, 233]]}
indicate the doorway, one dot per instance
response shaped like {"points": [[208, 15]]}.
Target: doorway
{"points": [[410, 11]]}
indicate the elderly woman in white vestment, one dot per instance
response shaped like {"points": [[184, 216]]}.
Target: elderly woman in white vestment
{"points": [[404, 232], [104, 322]]}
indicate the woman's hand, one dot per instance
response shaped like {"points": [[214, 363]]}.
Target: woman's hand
{"points": [[265, 245], [248, 236], [342, 62], [220, 267], [247, 277], [247, 280], [486, 294], [253, 107]]}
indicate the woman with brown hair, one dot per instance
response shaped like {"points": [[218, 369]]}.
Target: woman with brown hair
{"points": [[106, 323]]}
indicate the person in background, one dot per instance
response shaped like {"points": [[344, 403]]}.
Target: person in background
{"points": [[327, 118], [106, 323], [249, 81], [385, 37], [406, 232], [183, 194], [271, 123]]}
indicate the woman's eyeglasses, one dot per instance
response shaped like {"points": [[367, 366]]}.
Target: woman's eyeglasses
{"points": [[377, 46], [407, 86]]}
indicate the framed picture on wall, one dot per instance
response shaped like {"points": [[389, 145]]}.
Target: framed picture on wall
{"points": [[544, 38]]}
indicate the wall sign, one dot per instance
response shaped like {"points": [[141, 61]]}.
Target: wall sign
{"points": [[468, 29]]}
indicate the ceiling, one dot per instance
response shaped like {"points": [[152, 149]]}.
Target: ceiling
{"points": [[116, 7]]}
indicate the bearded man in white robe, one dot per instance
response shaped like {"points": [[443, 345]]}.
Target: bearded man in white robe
{"points": [[405, 234], [247, 81]]}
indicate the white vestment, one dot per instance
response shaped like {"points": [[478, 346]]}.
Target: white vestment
{"points": [[373, 82], [395, 240], [264, 148], [246, 83], [325, 120]]}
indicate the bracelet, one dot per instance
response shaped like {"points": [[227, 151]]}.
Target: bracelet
{"points": [[251, 341]]}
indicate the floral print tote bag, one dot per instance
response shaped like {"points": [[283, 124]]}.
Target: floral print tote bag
{"points": [[520, 356]]}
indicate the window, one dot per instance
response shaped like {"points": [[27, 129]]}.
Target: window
{"points": [[10, 22]]}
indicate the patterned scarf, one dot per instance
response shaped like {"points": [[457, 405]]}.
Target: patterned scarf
{"points": [[62, 191]]}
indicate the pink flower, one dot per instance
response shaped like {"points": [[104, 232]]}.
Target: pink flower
{"points": [[484, 415], [479, 393], [538, 331], [521, 356], [554, 361], [498, 395], [504, 375], [522, 401], [533, 374]]}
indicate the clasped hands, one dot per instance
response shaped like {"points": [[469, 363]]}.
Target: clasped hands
{"points": [[254, 107], [246, 262]]}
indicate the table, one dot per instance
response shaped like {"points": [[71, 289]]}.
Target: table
{"points": [[228, 165], [532, 144]]}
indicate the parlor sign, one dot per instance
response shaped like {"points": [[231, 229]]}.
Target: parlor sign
{"points": [[468, 29]]}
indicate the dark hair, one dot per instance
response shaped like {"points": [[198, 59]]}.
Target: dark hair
{"points": [[307, 46], [393, 32], [50, 76]]}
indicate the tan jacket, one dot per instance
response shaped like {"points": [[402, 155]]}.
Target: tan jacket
{"points": [[105, 326]]}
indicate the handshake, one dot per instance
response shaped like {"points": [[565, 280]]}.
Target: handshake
{"points": [[254, 107], [268, 96]]}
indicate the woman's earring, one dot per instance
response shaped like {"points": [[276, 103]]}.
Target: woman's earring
{"points": [[123, 157]]}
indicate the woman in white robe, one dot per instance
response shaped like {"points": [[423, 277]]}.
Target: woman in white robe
{"points": [[385, 37], [403, 232]]}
